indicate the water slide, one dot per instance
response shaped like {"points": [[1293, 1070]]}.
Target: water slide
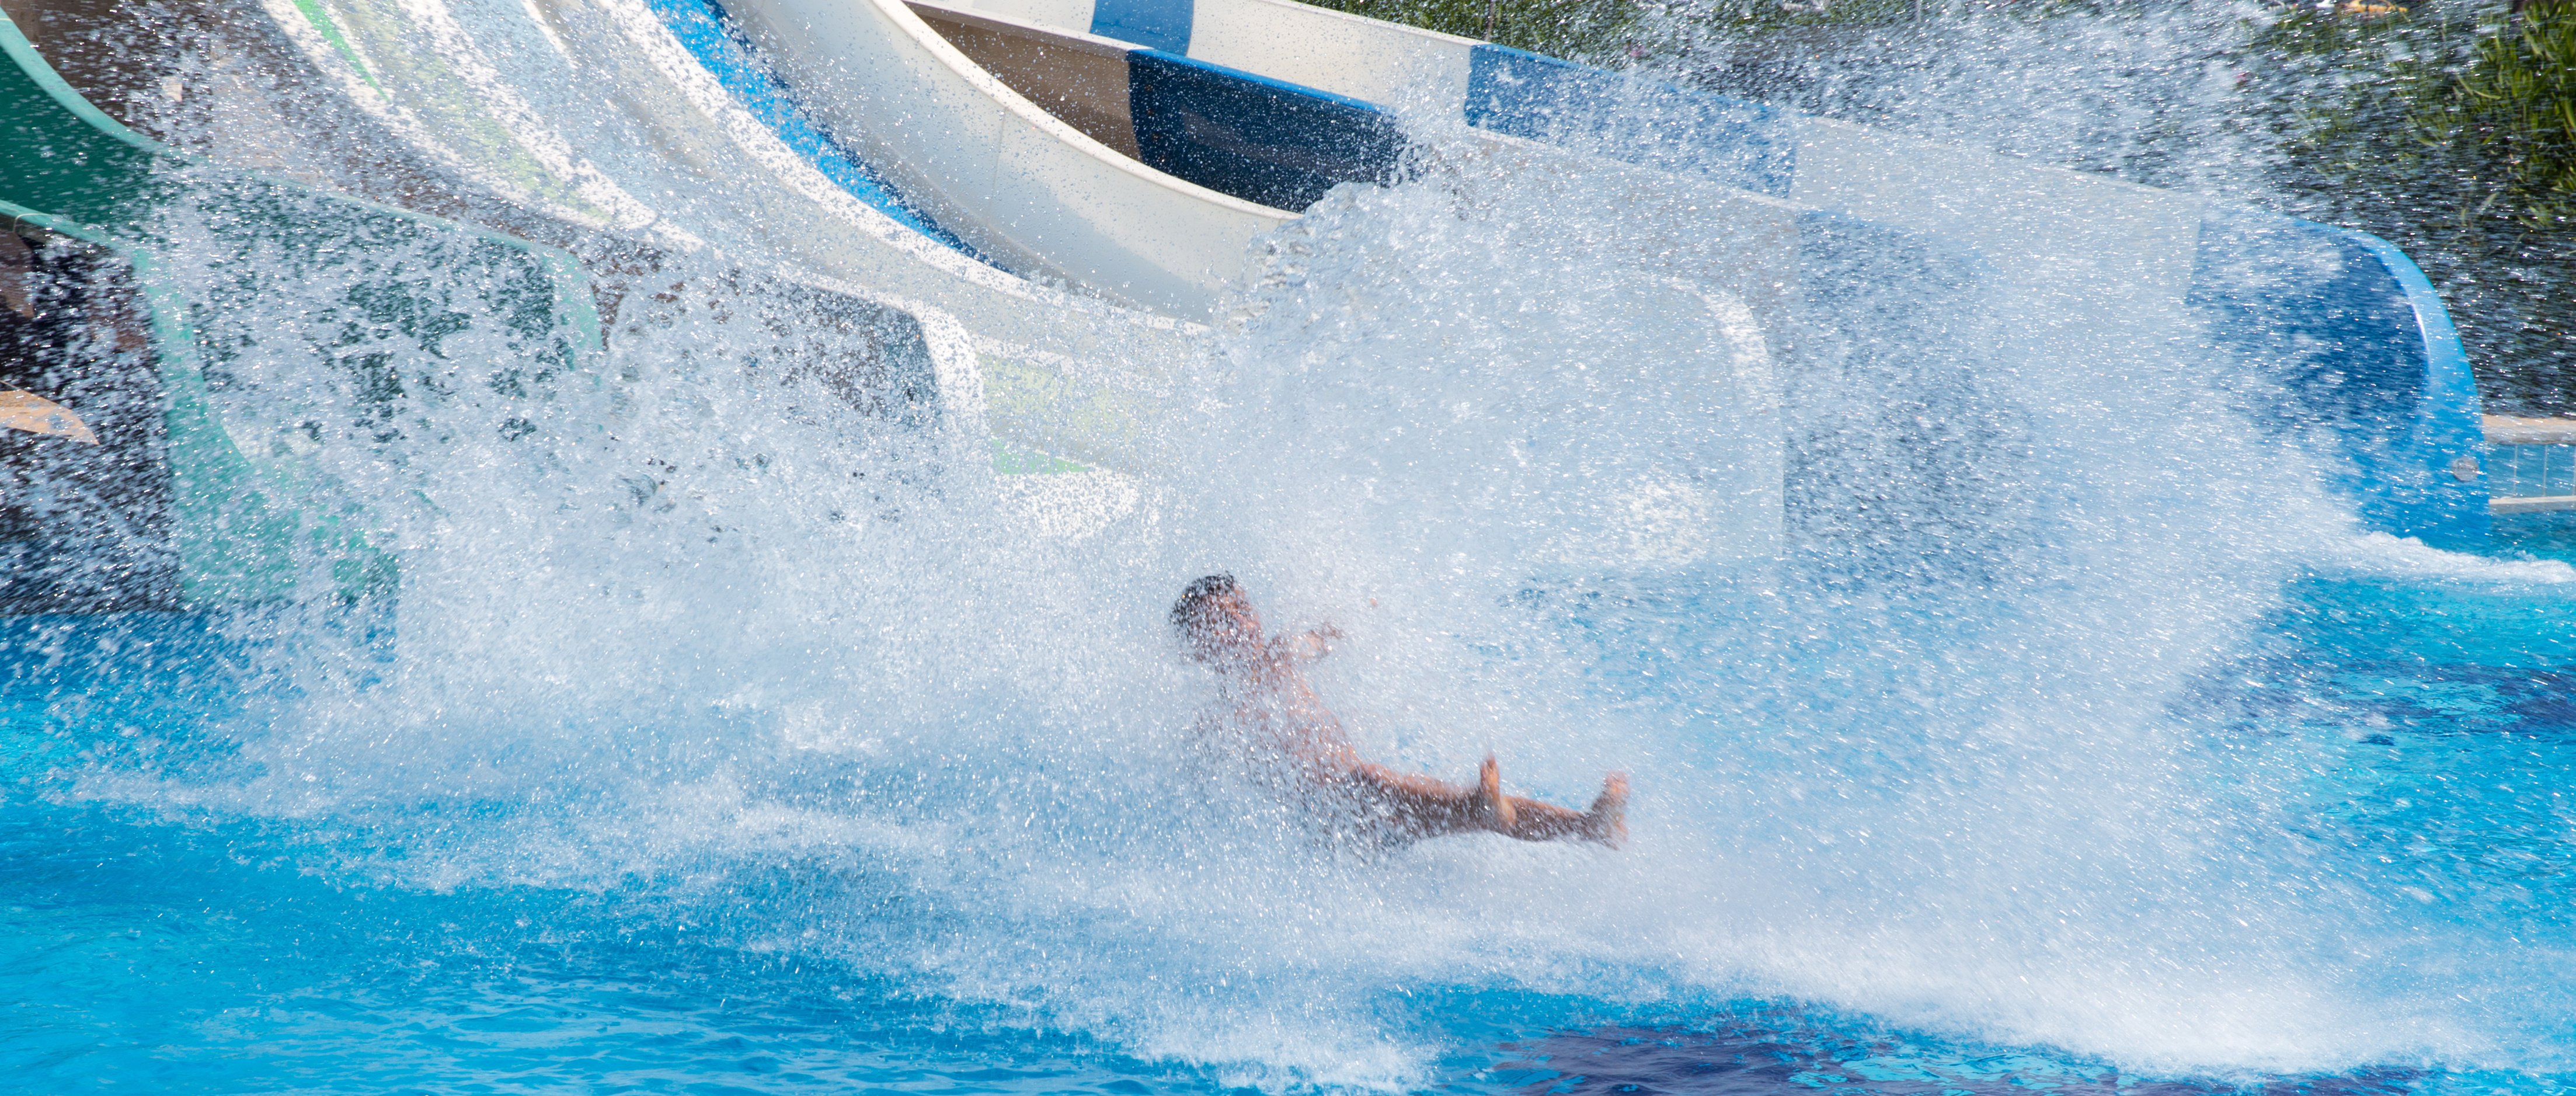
{"points": [[681, 158], [247, 514], [511, 105], [1067, 376], [165, 496], [1052, 375], [1274, 102], [698, 156], [501, 125], [1018, 182]]}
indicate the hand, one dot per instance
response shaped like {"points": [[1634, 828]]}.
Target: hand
{"points": [[1318, 642]]}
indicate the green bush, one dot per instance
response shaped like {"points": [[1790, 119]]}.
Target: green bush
{"points": [[2514, 104], [2478, 115], [1598, 31], [2452, 133]]}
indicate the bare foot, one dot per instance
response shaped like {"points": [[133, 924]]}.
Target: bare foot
{"points": [[1490, 800], [1607, 821]]}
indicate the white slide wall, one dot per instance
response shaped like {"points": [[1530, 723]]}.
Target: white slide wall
{"points": [[670, 136], [1001, 172]]}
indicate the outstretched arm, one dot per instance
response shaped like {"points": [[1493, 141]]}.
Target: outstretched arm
{"points": [[1313, 644]]}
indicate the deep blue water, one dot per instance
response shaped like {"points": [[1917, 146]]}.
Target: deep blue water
{"points": [[150, 945]]}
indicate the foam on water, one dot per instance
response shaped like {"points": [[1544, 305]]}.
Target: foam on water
{"points": [[1948, 742], [1957, 795]]}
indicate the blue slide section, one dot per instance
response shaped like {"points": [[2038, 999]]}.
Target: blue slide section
{"points": [[1258, 139], [2354, 338], [702, 28], [1748, 146], [1154, 24], [2360, 348]]}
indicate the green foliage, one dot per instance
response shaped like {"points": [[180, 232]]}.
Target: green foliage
{"points": [[2482, 112], [2350, 92], [2447, 131], [1597, 31], [1757, 15], [2515, 103]]}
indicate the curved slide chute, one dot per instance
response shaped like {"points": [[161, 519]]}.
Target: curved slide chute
{"points": [[707, 158], [1018, 182], [201, 506], [2103, 270], [507, 99], [1059, 375]]}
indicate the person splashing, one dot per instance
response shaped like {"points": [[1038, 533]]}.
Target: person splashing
{"points": [[1298, 746]]}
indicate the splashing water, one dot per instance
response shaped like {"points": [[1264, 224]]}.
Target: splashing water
{"points": [[732, 722]]}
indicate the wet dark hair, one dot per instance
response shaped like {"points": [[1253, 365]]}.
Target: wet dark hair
{"points": [[1185, 611]]}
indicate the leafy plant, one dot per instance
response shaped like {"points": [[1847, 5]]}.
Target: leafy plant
{"points": [[2447, 131], [1592, 30], [2515, 103]]}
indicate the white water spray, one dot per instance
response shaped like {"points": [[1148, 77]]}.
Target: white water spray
{"points": [[1909, 732]]}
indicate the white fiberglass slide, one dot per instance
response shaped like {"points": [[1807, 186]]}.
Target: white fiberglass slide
{"points": [[2085, 268], [1011, 178], [1057, 373], [2037, 224], [591, 111]]}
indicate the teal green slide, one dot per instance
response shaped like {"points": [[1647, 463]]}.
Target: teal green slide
{"points": [[245, 515]]}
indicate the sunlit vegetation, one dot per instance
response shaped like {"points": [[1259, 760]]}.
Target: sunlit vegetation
{"points": [[2451, 130], [1590, 31], [2479, 106], [2515, 103]]}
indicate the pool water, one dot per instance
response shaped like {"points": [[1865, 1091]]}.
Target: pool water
{"points": [[720, 741], [157, 940]]}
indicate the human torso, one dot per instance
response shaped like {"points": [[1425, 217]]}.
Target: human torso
{"points": [[1272, 711]]}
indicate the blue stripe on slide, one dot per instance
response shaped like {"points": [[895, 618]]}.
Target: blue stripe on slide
{"points": [[1262, 140], [2362, 349], [1745, 145], [702, 27], [1154, 24]]}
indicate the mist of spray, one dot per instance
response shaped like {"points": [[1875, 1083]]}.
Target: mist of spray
{"points": [[1907, 732]]}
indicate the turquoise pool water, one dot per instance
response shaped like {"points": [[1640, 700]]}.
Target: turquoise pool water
{"points": [[158, 935], [720, 740]]}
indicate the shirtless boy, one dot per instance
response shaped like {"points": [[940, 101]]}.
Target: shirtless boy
{"points": [[1291, 734]]}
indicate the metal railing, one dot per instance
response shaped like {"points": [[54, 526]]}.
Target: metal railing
{"points": [[2531, 464], [2531, 478], [2532, 471]]}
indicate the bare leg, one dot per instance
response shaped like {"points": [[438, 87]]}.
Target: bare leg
{"points": [[1492, 807], [1424, 806], [1608, 817], [1418, 805], [1606, 822]]}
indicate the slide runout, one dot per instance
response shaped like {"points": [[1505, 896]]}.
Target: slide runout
{"points": [[2137, 262], [241, 512], [2355, 337], [2135, 259], [1250, 134], [1271, 141], [1244, 133]]}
